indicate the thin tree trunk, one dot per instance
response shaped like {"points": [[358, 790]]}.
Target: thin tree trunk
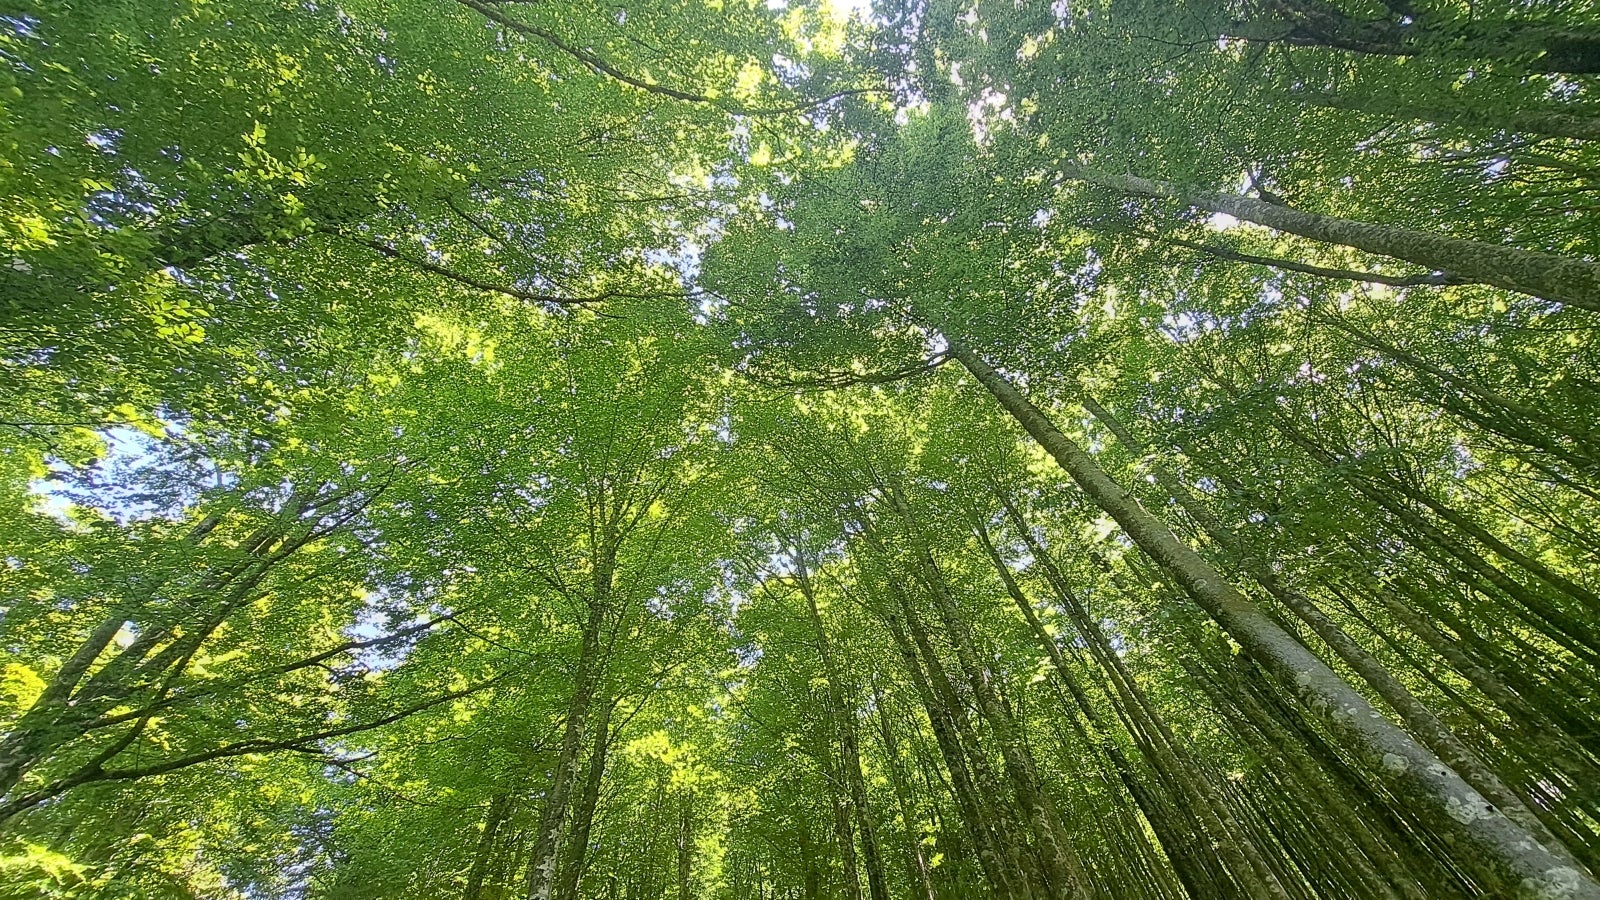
{"points": [[1062, 866], [980, 828], [685, 845], [843, 724], [1244, 862], [499, 808], [902, 796]]}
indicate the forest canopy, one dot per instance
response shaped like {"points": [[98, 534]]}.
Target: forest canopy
{"points": [[800, 449]]}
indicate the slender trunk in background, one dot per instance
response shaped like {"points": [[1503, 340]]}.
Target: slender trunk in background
{"points": [[1063, 869], [843, 823], [500, 806], [1091, 729], [1533, 604], [685, 844], [812, 880], [1021, 854], [1244, 862], [1255, 726], [980, 828], [902, 796], [843, 724]]}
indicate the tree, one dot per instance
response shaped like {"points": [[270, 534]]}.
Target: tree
{"points": [[750, 451]]}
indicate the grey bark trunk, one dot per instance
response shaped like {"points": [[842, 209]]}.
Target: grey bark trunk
{"points": [[542, 859], [1527, 868], [1562, 279]]}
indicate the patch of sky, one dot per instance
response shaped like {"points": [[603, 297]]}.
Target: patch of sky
{"points": [[384, 615], [788, 71], [137, 477], [21, 26], [1186, 325], [843, 10], [104, 141]]}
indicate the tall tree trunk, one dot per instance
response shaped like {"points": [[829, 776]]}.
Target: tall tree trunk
{"points": [[1244, 860], [500, 806], [902, 796], [980, 827], [1091, 729], [843, 823], [1562, 279], [1062, 867], [542, 859], [685, 845], [1544, 122], [1526, 867], [842, 722], [1273, 737], [1421, 721], [575, 856]]}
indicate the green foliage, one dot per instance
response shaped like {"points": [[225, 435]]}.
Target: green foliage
{"points": [[453, 448]]}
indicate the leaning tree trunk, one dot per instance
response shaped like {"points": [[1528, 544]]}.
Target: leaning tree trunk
{"points": [[1062, 867], [1527, 868], [1421, 720], [1244, 860], [1562, 279]]}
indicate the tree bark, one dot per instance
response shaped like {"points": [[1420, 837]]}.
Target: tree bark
{"points": [[500, 806], [575, 856], [542, 859], [1526, 867], [1562, 279]]}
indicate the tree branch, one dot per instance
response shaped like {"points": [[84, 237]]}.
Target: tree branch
{"points": [[93, 772], [513, 292], [832, 380], [600, 66], [1430, 279], [284, 669]]}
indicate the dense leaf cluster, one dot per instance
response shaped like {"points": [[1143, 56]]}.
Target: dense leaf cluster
{"points": [[726, 449]]}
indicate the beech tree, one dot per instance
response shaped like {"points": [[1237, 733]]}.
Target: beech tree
{"points": [[738, 450]]}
